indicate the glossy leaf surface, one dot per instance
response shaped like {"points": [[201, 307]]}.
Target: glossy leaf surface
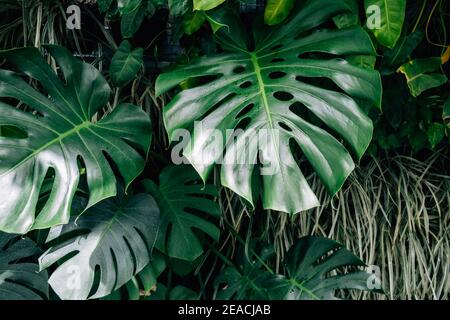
{"points": [[267, 92], [114, 240], [59, 134]]}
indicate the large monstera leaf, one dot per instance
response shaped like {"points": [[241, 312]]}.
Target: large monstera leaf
{"points": [[58, 132], [270, 93], [185, 205], [114, 238], [308, 265], [20, 279]]}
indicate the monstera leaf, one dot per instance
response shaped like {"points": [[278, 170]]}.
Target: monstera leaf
{"points": [[60, 135], [307, 267], [20, 280], [271, 93], [112, 241], [144, 283], [184, 206]]}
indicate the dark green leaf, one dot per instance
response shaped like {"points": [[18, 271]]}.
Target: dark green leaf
{"points": [[103, 5], [61, 134], [193, 22], [308, 265], [179, 8], [132, 21], [435, 133], [143, 283], [20, 280], [272, 85], [127, 6], [180, 196], [394, 57], [116, 236], [125, 64]]}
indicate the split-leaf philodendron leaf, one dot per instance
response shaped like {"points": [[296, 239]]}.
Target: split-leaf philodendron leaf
{"points": [[269, 92], [184, 202], [20, 279], [306, 276], [116, 236], [59, 132]]}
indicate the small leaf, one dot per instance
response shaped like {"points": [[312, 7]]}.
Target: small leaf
{"points": [[215, 22], [435, 133], [420, 75], [206, 5], [392, 15], [277, 11], [193, 22], [125, 64]]}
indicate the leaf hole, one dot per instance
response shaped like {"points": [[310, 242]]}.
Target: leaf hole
{"points": [[283, 96], [277, 75], [13, 132], [239, 69], [284, 126], [245, 110], [245, 85]]}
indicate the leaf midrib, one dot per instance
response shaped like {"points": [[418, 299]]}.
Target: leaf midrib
{"points": [[58, 139]]}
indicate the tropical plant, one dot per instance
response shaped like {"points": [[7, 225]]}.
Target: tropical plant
{"points": [[59, 134], [307, 265], [211, 149], [270, 89], [19, 279]]}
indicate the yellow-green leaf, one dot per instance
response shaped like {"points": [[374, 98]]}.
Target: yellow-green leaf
{"points": [[277, 11]]}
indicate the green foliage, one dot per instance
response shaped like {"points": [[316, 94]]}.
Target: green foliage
{"points": [[392, 15], [270, 86], [305, 70], [125, 64], [20, 279], [306, 274], [423, 74], [117, 236], [185, 203], [277, 11], [59, 130], [206, 5]]}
